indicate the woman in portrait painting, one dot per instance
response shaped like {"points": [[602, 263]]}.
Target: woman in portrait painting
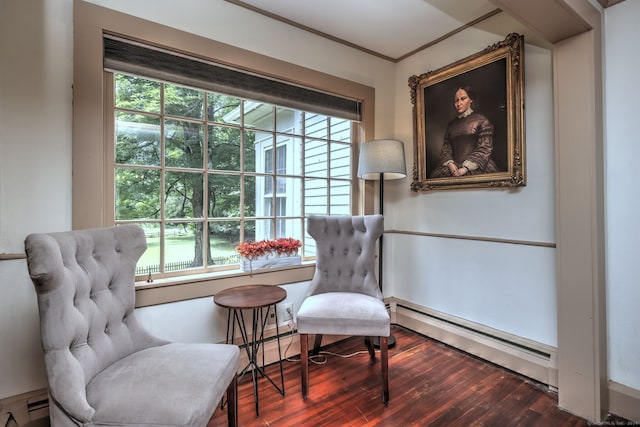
{"points": [[468, 140]]}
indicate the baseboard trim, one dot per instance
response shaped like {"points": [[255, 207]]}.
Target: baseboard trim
{"points": [[526, 357], [27, 407], [624, 401]]}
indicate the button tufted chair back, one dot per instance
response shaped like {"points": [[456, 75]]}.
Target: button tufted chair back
{"points": [[344, 297], [345, 253], [83, 281], [91, 338]]}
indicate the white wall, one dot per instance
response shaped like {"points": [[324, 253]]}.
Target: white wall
{"points": [[36, 129], [234, 25], [200, 320], [508, 287], [514, 288], [622, 36], [35, 167]]}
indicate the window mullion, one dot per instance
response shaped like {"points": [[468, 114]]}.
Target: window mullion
{"points": [[243, 172], [206, 247], [162, 180], [293, 172]]}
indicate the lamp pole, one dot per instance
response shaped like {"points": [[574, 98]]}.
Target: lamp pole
{"points": [[377, 158], [391, 342], [381, 211]]}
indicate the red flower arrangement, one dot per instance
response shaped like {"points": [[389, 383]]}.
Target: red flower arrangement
{"points": [[283, 245]]}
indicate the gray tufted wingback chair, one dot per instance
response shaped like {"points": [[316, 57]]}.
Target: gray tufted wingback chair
{"points": [[344, 297], [103, 367]]}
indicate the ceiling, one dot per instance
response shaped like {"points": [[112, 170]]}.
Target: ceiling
{"points": [[390, 29], [395, 29]]}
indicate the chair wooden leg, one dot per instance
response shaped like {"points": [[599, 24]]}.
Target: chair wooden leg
{"points": [[317, 343], [304, 364], [369, 343], [232, 402], [384, 362]]}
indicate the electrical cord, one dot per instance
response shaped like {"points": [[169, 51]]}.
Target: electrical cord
{"points": [[320, 358]]}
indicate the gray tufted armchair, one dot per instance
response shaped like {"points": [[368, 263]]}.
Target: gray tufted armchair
{"points": [[344, 297], [103, 367]]}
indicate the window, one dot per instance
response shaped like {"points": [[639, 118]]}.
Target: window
{"points": [[279, 199], [201, 171], [93, 142]]}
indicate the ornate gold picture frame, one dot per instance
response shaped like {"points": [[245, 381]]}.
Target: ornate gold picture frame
{"points": [[468, 120]]}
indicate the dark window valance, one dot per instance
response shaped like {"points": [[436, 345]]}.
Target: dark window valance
{"points": [[130, 57]]}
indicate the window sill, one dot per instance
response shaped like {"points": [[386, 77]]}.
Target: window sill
{"points": [[182, 288]]}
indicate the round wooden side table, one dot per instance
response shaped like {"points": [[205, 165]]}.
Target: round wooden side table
{"points": [[260, 299]]}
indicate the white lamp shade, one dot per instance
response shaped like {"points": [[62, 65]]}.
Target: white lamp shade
{"points": [[382, 157]]}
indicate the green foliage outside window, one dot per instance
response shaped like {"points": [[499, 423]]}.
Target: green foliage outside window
{"points": [[192, 168]]}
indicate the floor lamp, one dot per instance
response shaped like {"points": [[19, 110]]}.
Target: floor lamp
{"points": [[382, 159]]}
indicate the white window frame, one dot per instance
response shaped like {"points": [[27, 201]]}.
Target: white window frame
{"points": [[279, 194], [93, 163]]}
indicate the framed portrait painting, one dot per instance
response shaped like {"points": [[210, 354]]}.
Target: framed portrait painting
{"points": [[469, 121]]}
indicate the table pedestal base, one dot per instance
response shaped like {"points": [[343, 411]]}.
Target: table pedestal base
{"points": [[253, 344], [255, 298]]}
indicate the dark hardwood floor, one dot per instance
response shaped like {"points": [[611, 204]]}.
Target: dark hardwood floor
{"points": [[431, 384]]}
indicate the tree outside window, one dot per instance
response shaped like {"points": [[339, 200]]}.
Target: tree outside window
{"points": [[202, 172]]}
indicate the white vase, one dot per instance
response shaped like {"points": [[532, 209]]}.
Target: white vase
{"points": [[272, 260]]}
